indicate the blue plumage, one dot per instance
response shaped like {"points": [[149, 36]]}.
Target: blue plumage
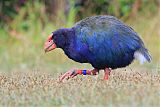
{"points": [[103, 41]]}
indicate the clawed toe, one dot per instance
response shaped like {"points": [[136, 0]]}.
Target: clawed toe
{"points": [[68, 75]]}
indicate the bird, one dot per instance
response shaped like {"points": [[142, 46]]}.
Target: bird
{"points": [[103, 41]]}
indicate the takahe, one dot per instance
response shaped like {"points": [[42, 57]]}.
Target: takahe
{"points": [[103, 41]]}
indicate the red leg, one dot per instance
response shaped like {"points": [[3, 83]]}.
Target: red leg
{"points": [[106, 73], [73, 73]]}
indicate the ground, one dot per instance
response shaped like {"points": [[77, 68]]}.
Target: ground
{"points": [[125, 88]]}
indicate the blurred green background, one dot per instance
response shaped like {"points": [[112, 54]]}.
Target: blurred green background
{"points": [[25, 25]]}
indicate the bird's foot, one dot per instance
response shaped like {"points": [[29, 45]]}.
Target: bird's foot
{"points": [[73, 73], [106, 73]]}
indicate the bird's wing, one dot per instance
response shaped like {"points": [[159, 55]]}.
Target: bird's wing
{"points": [[107, 38], [108, 32]]}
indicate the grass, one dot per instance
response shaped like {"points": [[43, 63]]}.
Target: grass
{"points": [[124, 89]]}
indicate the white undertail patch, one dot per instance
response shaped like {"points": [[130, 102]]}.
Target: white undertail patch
{"points": [[140, 57]]}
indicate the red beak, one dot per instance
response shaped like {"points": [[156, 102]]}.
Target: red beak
{"points": [[49, 44]]}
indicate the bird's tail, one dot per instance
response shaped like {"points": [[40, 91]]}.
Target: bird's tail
{"points": [[142, 55]]}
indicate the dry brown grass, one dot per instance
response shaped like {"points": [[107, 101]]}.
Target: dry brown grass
{"points": [[124, 88]]}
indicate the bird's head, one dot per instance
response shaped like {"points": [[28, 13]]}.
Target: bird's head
{"points": [[49, 44], [58, 39]]}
